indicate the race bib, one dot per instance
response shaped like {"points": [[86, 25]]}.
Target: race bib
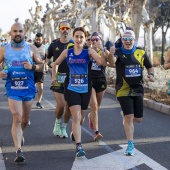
{"points": [[19, 83], [61, 77], [95, 66], [133, 70], [79, 79]]}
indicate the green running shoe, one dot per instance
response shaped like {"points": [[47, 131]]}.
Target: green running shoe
{"points": [[57, 129], [64, 132]]}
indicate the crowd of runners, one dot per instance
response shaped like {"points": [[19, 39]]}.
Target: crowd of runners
{"points": [[77, 66]]}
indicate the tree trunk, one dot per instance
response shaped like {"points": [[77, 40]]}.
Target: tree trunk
{"points": [[136, 16]]}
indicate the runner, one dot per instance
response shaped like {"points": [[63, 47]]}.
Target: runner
{"points": [[130, 62], [99, 85], [19, 57], [77, 84], [39, 76], [54, 50]]}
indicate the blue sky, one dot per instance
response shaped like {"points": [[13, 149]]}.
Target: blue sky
{"points": [[12, 9]]}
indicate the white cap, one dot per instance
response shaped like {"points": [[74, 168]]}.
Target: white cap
{"points": [[128, 33]]}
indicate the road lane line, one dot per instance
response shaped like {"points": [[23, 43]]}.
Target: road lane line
{"points": [[2, 163]]}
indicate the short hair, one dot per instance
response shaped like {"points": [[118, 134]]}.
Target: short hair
{"points": [[82, 29], [39, 35], [64, 21]]}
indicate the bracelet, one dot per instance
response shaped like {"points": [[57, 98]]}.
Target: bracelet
{"points": [[151, 74], [33, 67]]}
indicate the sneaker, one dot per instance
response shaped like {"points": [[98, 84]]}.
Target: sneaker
{"points": [[129, 150], [39, 106], [64, 133], [19, 156], [29, 123], [57, 129], [72, 136], [90, 122], [80, 151], [97, 136], [22, 141]]}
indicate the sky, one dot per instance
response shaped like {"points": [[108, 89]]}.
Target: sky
{"points": [[12, 9]]}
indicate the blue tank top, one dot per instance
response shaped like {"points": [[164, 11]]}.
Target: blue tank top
{"points": [[78, 71], [20, 81]]}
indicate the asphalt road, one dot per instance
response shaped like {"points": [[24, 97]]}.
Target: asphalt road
{"points": [[44, 151]]}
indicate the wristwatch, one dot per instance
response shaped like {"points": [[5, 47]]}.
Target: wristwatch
{"points": [[33, 67]]}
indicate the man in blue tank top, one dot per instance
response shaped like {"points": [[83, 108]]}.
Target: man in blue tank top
{"points": [[19, 58]]}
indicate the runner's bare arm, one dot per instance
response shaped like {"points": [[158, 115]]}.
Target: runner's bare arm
{"points": [[2, 52], [111, 58], [151, 74], [95, 56], [39, 64], [57, 62]]}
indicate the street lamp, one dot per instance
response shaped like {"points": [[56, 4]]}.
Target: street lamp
{"points": [[164, 15]]}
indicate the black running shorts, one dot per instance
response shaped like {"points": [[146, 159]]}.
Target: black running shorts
{"points": [[58, 89], [38, 77], [99, 84], [132, 105], [74, 98]]}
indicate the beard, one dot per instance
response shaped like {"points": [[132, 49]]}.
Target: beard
{"points": [[17, 39], [37, 45], [65, 34]]}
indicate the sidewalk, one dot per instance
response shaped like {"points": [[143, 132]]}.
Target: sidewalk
{"points": [[147, 103]]}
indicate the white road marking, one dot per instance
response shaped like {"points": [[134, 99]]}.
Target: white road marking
{"points": [[116, 161], [2, 164]]}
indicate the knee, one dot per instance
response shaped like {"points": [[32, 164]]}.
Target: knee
{"points": [[129, 118], [76, 117], [17, 118], [94, 107], [60, 104]]}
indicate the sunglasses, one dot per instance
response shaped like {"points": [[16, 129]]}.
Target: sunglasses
{"points": [[88, 39], [64, 28], [127, 39], [95, 39]]}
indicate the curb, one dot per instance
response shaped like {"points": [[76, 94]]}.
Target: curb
{"points": [[147, 103]]}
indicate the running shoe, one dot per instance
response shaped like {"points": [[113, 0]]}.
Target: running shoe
{"points": [[39, 106], [90, 122], [80, 151], [129, 150], [29, 123], [19, 156], [57, 129], [22, 141], [98, 136], [72, 136], [64, 132]]}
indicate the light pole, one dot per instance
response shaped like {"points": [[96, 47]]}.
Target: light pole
{"points": [[164, 15]]}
